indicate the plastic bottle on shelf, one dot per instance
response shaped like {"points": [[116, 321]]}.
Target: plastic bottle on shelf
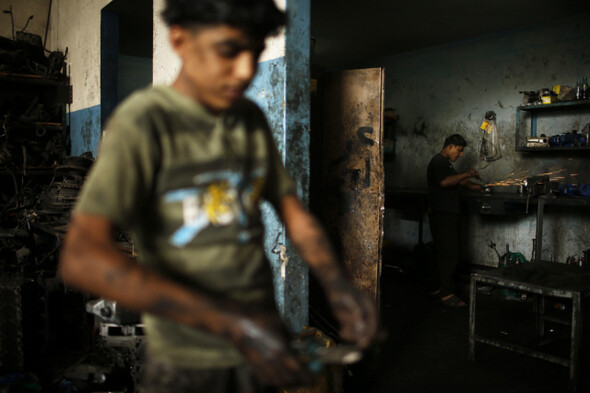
{"points": [[585, 91]]}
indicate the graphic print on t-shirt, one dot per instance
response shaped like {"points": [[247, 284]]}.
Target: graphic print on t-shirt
{"points": [[218, 199]]}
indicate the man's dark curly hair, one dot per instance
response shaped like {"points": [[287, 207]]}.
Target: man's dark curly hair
{"points": [[456, 140], [258, 18]]}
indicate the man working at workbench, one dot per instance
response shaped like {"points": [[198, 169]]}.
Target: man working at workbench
{"points": [[185, 167], [444, 213]]}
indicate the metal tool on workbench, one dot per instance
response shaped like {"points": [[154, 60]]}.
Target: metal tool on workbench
{"points": [[509, 258], [484, 186]]}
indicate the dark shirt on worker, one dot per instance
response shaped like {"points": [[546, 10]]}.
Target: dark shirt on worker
{"points": [[439, 198]]}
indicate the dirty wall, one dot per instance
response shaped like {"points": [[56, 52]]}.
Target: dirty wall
{"points": [[447, 89], [75, 24]]}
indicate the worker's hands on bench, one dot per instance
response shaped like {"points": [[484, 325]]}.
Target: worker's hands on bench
{"points": [[264, 342], [472, 173], [356, 312]]}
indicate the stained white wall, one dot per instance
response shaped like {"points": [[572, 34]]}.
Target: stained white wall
{"points": [[76, 25], [166, 63]]}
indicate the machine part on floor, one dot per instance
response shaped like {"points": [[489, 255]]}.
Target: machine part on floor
{"points": [[118, 330], [126, 345], [108, 312]]}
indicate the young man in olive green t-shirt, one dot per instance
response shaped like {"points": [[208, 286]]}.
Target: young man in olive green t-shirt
{"points": [[185, 167]]}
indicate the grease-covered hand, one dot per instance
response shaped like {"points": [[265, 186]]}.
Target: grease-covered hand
{"points": [[356, 312], [472, 173], [263, 340]]}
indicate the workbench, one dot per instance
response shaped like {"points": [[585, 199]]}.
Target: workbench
{"points": [[540, 279], [413, 204]]}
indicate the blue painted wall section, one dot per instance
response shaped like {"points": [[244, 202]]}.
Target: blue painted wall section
{"points": [[268, 91], [297, 138], [281, 89], [85, 130]]}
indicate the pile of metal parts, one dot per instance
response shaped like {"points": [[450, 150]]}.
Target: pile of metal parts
{"points": [[36, 314], [25, 53], [566, 139], [34, 211], [121, 342], [31, 134], [558, 93], [39, 317], [32, 116], [34, 89]]}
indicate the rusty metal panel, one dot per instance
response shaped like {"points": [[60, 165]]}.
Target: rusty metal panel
{"points": [[352, 201]]}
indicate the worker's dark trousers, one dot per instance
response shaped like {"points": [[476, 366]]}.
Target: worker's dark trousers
{"points": [[444, 227]]}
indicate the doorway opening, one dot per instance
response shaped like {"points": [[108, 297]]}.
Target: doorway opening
{"points": [[126, 51]]}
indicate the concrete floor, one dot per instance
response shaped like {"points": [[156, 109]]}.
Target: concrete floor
{"points": [[427, 345]]}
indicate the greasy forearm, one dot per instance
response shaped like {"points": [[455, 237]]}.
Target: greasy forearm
{"points": [[91, 262], [98, 267]]}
